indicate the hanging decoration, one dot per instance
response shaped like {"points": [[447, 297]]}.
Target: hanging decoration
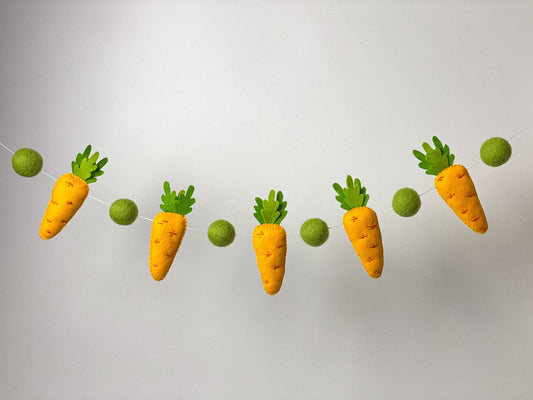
{"points": [[69, 193], [269, 238], [495, 151], [168, 229], [314, 232], [406, 202], [123, 211], [453, 184], [27, 162], [361, 225], [221, 233]]}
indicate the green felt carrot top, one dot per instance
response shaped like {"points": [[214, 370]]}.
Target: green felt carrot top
{"points": [[353, 195], [86, 167], [435, 160], [271, 210], [180, 203]]}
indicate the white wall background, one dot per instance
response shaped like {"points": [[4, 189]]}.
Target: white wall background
{"points": [[239, 98]]}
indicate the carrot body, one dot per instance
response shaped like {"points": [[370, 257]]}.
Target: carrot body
{"points": [[68, 195], [270, 245], [168, 229], [361, 226], [457, 189]]}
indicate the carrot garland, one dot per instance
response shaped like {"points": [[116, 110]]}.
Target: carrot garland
{"points": [[360, 222], [453, 184], [270, 240], [361, 225], [70, 191], [168, 229]]}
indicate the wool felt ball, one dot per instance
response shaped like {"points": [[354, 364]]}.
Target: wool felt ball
{"points": [[406, 202], [495, 151], [123, 211], [314, 232], [27, 162], [221, 233]]}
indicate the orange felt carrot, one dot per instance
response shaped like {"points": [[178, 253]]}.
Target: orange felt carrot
{"points": [[168, 229], [361, 225], [69, 193], [453, 184], [270, 241]]}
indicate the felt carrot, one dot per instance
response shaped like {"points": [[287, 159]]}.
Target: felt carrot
{"points": [[270, 240], [168, 229], [453, 184], [361, 225], [70, 191]]}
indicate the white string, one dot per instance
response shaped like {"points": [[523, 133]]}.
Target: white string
{"points": [[290, 233], [101, 201], [520, 130], [197, 230], [50, 176], [7, 148]]}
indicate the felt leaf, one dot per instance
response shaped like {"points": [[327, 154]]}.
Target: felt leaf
{"points": [[86, 167], [349, 182], [451, 159], [435, 160], [190, 190], [102, 163], [419, 155], [424, 165], [353, 195], [93, 158], [258, 209], [169, 199], [87, 151], [75, 169], [81, 170], [346, 207], [185, 201], [339, 190], [282, 208], [341, 198], [270, 211], [438, 143], [282, 216], [427, 148]]}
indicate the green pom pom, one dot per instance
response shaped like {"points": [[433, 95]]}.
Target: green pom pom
{"points": [[314, 232], [406, 202], [27, 162], [221, 233], [495, 151], [123, 211]]}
